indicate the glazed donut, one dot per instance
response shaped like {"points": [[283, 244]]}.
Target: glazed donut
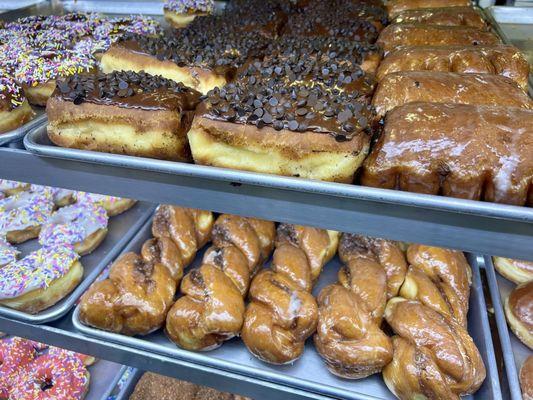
{"points": [[51, 377], [526, 378], [82, 225], [8, 253], [22, 215], [113, 205], [40, 279], [519, 312], [9, 188], [15, 353], [517, 271]]}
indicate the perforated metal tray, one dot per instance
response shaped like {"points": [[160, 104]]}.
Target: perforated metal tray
{"points": [[309, 372], [120, 230]]}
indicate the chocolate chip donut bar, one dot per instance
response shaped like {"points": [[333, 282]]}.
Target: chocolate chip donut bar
{"points": [[124, 113]]}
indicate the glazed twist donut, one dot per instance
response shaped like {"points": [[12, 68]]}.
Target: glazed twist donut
{"points": [[136, 297], [282, 312], [434, 357], [211, 309], [178, 234], [374, 270], [440, 279]]}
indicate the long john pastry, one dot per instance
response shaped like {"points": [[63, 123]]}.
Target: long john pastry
{"points": [[282, 312], [211, 309], [136, 297]]}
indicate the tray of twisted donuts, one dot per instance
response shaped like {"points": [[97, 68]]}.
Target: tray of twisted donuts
{"points": [[380, 319], [54, 243], [511, 286], [30, 370]]}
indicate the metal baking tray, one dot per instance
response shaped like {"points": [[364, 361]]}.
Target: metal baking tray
{"points": [[126, 390], [514, 351], [18, 134], [309, 373], [120, 230]]}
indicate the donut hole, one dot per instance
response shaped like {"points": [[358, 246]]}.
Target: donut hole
{"points": [[47, 384]]}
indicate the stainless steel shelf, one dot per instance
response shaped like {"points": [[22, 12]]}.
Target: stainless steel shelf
{"points": [[62, 333], [467, 225]]}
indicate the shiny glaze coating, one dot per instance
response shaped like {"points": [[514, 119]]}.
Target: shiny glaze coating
{"points": [[405, 87], [465, 151], [397, 35], [449, 16], [394, 7], [439, 279], [517, 271], [500, 59], [211, 309], [526, 378], [282, 313], [519, 312], [371, 254], [433, 357], [348, 338]]}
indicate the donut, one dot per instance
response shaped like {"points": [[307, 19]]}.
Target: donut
{"points": [[84, 358], [113, 205], [82, 225], [61, 197], [518, 271], [15, 110], [40, 279], [519, 312], [51, 377], [180, 13], [8, 253], [22, 215], [15, 353], [9, 188], [526, 378]]}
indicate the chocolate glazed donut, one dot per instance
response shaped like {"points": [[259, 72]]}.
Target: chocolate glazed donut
{"points": [[211, 309]]}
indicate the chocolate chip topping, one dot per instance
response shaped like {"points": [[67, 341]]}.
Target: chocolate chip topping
{"points": [[127, 89]]}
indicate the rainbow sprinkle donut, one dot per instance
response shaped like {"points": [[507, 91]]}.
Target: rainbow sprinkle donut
{"points": [[52, 377], [15, 353], [22, 215], [74, 225], [113, 205]]}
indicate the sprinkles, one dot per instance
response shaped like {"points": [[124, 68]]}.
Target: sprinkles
{"points": [[189, 6]]}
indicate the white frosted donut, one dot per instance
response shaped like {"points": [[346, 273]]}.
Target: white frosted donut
{"points": [[9, 188], [40, 279], [8, 253], [22, 214], [82, 225], [113, 205], [61, 197]]}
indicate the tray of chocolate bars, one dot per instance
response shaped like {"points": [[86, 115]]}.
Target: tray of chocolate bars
{"points": [[121, 229], [514, 351], [308, 373]]}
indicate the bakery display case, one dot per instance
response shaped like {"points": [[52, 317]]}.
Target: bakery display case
{"points": [[247, 139]]}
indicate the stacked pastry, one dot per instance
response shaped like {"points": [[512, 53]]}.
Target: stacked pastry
{"points": [[457, 120], [518, 308], [38, 50], [31, 370], [67, 224]]}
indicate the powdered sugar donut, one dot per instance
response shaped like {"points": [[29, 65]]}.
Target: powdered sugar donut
{"points": [[9, 188], [8, 253], [22, 215], [113, 205], [40, 279], [15, 353], [50, 377], [82, 225]]}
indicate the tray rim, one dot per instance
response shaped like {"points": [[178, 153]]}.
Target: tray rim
{"points": [[129, 384], [70, 300], [18, 133], [438, 203], [503, 330], [115, 381], [203, 358]]}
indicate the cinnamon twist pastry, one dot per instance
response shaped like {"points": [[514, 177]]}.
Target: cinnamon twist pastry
{"points": [[282, 312], [349, 337], [212, 307], [434, 356], [178, 234], [135, 298], [440, 279]]}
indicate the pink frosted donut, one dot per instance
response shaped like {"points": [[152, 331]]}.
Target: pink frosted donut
{"points": [[15, 353], [51, 377]]}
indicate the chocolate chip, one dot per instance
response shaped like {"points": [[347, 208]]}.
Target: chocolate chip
{"points": [[259, 112], [344, 116], [273, 101], [293, 125], [278, 125], [301, 111], [267, 118], [122, 85]]}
